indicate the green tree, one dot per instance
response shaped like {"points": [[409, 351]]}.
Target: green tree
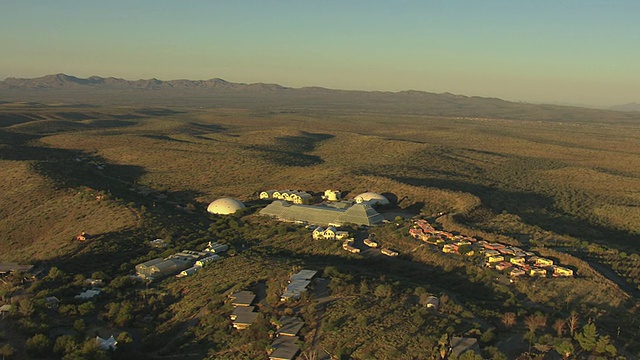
{"points": [[564, 348], [495, 354], [588, 337], [487, 336], [470, 355], [55, 274], [89, 350], [86, 308], [38, 345], [26, 307], [80, 326], [7, 351], [604, 346], [65, 344], [124, 342], [383, 291]]}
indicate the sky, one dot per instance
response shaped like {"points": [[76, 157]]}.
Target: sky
{"points": [[584, 52]]}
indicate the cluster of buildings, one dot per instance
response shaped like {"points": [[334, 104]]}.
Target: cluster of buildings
{"points": [[330, 233], [184, 263], [242, 315], [298, 284], [499, 256], [334, 212], [293, 196], [519, 262], [284, 346]]}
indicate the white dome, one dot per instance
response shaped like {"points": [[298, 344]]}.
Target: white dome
{"points": [[372, 198], [225, 206]]}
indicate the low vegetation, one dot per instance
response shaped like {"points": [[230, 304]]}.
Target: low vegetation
{"points": [[126, 176]]}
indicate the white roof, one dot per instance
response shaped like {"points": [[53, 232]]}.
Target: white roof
{"points": [[106, 344], [373, 198], [88, 294], [225, 206]]}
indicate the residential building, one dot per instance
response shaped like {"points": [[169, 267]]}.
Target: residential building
{"points": [[318, 233], [284, 348], [370, 243], [289, 326], [330, 233], [389, 252], [537, 272], [488, 253], [517, 272], [207, 260], [239, 310], [450, 249], [216, 248], [562, 271], [242, 298], [88, 294], [244, 320], [332, 195], [543, 262]]}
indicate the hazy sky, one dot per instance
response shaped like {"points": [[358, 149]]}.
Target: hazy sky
{"points": [[573, 51]]}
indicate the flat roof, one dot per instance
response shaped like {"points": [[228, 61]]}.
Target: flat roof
{"points": [[290, 326], [245, 318], [242, 310], [304, 274], [460, 345], [285, 348], [242, 298], [6, 267]]}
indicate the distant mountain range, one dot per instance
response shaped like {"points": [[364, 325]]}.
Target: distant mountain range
{"points": [[63, 81], [627, 107], [62, 88]]}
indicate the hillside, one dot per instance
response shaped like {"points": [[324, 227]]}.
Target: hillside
{"points": [[129, 174]]}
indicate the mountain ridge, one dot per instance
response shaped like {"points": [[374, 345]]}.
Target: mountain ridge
{"points": [[217, 92]]}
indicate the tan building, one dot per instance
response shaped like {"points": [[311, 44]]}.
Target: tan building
{"points": [[544, 262], [537, 272]]}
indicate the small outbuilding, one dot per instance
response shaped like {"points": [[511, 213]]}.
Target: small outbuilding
{"points": [[460, 345], [106, 344]]}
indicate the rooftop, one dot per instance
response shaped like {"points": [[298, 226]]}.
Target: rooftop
{"points": [[245, 318], [290, 326], [242, 298], [359, 214], [6, 267], [460, 345], [303, 275], [285, 348]]}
